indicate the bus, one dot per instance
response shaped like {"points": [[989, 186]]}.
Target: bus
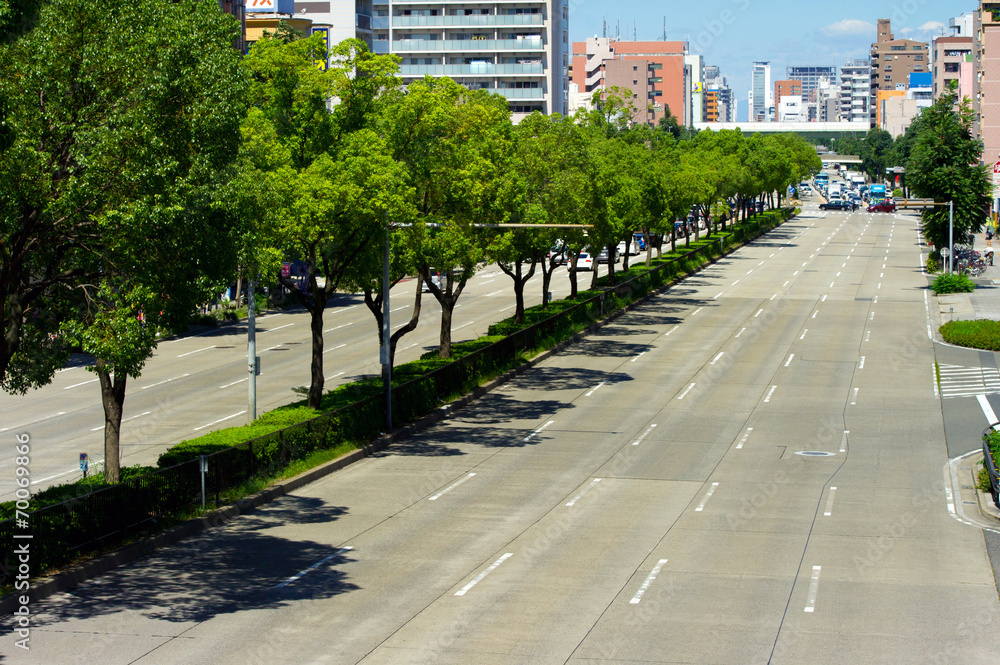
{"points": [[876, 194]]}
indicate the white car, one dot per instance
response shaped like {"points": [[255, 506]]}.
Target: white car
{"points": [[584, 261]]}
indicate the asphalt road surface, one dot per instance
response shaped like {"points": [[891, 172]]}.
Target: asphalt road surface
{"points": [[746, 469]]}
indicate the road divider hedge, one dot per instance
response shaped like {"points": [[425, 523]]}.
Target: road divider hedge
{"points": [[70, 522]]}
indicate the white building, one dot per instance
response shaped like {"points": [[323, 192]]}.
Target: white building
{"points": [[855, 91], [790, 109], [695, 69], [517, 49], [339, 19]]}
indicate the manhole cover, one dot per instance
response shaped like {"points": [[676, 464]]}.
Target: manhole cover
{"points": [[815, 453]]}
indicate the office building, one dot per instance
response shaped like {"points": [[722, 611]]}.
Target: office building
{"points": [[855, 92], [760, 99], [827, 96], [789, 87], [719, 102], [518, 50], [338, 19], [893, 60], [695, 74], [655, 73], [898, 108], [790, 109], [810, 77]]}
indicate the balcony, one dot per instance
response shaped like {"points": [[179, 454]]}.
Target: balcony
{"points": [[466, 45], [519, 93], [363, 21], [380, 46], [473, 20], [380, 22], [475, 69]]}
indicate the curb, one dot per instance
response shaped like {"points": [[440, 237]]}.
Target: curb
{"points": [[75, 575], [987, 508]]}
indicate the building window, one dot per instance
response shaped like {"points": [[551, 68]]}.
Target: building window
{"points": [[888, 77], [918, 57], [951, 67], [898, 48]]}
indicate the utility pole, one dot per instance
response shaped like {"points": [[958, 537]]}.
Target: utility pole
{"points": [[386, 358], [252, 362]]}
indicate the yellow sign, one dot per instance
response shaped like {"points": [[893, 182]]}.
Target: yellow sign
{"points": [[696, 87]]}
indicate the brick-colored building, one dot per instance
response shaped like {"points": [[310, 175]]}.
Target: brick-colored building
{"points": [[988, 56], [950, 55], [893, 60], [790, 87], [653, 71]]}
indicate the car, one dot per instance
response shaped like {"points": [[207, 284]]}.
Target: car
{"points": [[435, 279], [584, 261], [838, 205], [603, 256], [884, 206], [557, 256]]}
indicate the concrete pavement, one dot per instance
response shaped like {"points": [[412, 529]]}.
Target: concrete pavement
{"points": [[746, 469]]}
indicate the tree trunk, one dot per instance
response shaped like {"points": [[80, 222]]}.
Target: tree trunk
{"points": [[547, 270], [316, 366], [113, 400], [408, 328], [519, 282], [673, 239], [649, 248], [447, 309], [611, 264], [571, 258], [239, 289]]}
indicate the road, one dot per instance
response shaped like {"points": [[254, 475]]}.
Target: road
{"points": [[746, 469], [197, 383]]}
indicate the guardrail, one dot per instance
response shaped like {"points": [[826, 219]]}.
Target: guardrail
{"points": [[990, 462], [107, 517]]}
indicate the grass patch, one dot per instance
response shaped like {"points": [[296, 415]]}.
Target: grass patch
{"points": [[982, 334]]}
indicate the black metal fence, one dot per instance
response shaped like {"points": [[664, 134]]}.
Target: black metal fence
{"points": [[66, 531], [990, 462]]}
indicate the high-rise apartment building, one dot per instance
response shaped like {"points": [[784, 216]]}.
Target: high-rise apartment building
{"points": [[655, 72], [338, 19], [695, 74], [785, 88], [988, 79], [517, 49], [810, 77], [893, 60], [855, 92], [952, 60], [761, 98], [718, 97], [827, 95]]}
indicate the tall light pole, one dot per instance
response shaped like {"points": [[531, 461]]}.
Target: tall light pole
{"points": [[385, 355], [252, 362]]}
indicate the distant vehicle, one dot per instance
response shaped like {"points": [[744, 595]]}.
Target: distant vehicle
{"points": [[435, 279], [603, 256], [838, 205], [884, 206], [876, 193], [584, 261], [557, 256]]}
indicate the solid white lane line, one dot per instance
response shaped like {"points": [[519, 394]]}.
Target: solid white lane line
{"points": [[831, 284], [750, 271], [464, 325], [739, 446], [639, 356], [334, 376], [759, 312], [881, 275], [220, 420], [160, 383], [762, 262], [740, 332], [984, 404], [233, 383], [77, 385], [479, 578], [695, 312], [735, 283], [717, 295], [339, 327], [872, 317], [716, 358], [880, 285], [644, 435], [496, 293], [686, 391], [823, 299], [813, 590], [450, 487], [769, 393], [829, 502], [329, 350], [399, 308], [854, 401], [595, 388], [672, 330], [582, 492], [789, 361], [538, 431], [312, 567], [814, 314], [264, 332], [862, 364], [773, 297], [272, 348], [843, 441], [785, 284], [795, 273], [124, 420], [708, 495], [181, 339], [837, 275], [197, 351], [868, 334], [649, 580]]}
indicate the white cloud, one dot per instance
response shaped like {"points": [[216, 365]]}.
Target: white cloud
{"points": [[849, 27], [926, 31]]}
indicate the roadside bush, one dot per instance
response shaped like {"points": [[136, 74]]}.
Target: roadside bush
{"points": [[951, 282], [897, 193], [980, 334], [206, 320], [932, 264]]}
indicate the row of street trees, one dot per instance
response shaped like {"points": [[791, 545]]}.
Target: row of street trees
{"points": [[134, 188]]}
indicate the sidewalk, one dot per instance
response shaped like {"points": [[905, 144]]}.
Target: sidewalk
{"points": [[984, 302]]}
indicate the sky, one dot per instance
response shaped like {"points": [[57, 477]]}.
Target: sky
{"points": [[734, 33]]}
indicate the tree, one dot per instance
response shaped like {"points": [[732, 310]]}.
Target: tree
{"points": [[944, 166], [876, 153], [109, 152], [334, 182], [453, 142]]}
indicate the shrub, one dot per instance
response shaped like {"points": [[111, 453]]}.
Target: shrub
{"points": [[980, 334], [897, 193], [932, 264], [951, 282]]}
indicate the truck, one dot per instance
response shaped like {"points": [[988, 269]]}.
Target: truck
{"points": [[835, 191], [876, 194]]}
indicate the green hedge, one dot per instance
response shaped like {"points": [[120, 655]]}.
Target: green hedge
{"points": [[952, 282], [980, 334]]}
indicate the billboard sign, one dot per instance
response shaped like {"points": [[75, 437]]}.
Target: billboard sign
{"points": [[271, 6]]}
